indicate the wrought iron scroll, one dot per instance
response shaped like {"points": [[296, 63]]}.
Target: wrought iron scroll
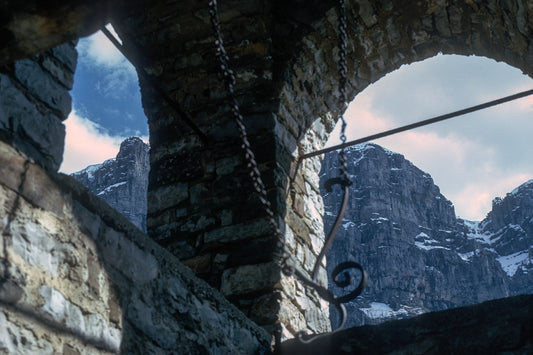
{"points": [[340, 274]]}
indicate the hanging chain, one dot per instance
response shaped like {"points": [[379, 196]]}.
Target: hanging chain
{"points": [[255, 175], [343, 71], [284, 259]]}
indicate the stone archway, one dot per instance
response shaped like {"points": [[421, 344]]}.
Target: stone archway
{"points": [[200, 202], [383, 36]]}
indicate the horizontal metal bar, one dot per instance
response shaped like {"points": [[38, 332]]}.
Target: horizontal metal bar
{"points": [[420, 123], [142, 73]]}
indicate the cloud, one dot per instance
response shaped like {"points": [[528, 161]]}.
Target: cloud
{"points": [[100, 51], [99, 54], [472, 160], [476, 197], [87, 143]]}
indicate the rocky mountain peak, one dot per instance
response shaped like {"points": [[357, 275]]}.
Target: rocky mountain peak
{"points": [[122, 181], [419, 256]]}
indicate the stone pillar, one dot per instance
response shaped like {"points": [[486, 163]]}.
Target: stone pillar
{"points": [[201, 203]]}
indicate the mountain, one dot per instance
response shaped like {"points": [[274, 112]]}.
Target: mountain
{"points": [[122, 181], [419, 256]]}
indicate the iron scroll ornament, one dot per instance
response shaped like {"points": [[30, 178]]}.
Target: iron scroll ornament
{"points": [[340, 275]]}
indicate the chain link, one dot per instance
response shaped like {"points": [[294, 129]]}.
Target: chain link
{"points": [[229, 80], [343, 71]]}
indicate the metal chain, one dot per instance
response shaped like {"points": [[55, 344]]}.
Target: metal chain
{"points": [[284, 259], [343, 70], [255, 174]]}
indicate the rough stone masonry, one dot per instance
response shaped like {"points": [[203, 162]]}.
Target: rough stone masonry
{"points": [[284, 54]]}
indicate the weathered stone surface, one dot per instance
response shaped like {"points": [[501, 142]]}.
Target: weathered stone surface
{"points": [[85, 280], [42, 86], [286, 69], [249, 279], [123, 182], [493, 327], [33, 103]]}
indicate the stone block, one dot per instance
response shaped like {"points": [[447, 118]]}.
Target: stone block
{"points": [[40, 136], [43, 87], [66, 53], [265, 309], [249, 279], [238, 232], [291, 316], [57, 71], [11, 168], [36, 181], [165, 197], [33, 243], [123, 254]]}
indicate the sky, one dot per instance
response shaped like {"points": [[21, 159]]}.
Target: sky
{"points": [[106, 105], [473, 159]]}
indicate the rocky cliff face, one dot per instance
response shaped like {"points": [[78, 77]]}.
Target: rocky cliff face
{"points": [[123, 181], [418, 255]]}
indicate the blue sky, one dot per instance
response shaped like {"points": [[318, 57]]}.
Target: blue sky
{"points": [[106, 104], [472, 159]]}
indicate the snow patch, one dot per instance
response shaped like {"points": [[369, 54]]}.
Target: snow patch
{"points": [[425, 242], [89, 170], [380, 310], [348, 225], [475, 233], [466, 256], [109, 188], [511, 263]]}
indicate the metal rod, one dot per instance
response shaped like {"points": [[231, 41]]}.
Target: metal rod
{"points": [[420, 124], [145, 76]]}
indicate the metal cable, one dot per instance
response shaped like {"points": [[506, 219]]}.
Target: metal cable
{"points": [[155, 85], [420, 123]]}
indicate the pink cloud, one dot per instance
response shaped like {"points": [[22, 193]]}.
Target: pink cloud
{"points": [[85, 144], [465, 170], [476, 197]]}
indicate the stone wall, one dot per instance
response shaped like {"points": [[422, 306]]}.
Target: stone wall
{"points": [[501, 326], [78, 278], [34, 102], [201, 204]]}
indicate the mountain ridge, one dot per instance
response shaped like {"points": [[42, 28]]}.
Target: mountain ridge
{"points": [[419, 255], [122, 181]]}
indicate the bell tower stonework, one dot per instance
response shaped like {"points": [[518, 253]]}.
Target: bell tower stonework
{"points": [[201, 203]]}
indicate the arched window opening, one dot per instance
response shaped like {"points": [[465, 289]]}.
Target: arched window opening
{"points": [[471, 158], [422, 251], [100, 148]]}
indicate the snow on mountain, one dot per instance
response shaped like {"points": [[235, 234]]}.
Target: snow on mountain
{"points": [[418, 254], [122, 181]]}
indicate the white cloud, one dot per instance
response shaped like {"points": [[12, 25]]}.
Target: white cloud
{"points": [[118, 73], [98, 49], [469, 169], [87, 143]]}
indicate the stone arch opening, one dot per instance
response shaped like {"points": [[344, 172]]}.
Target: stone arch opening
{"points": [[106, 107], [384, 36], [382, 216], [439, 85]]}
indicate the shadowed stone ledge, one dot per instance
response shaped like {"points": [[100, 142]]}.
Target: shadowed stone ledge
{"points": [[494, 327]]}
